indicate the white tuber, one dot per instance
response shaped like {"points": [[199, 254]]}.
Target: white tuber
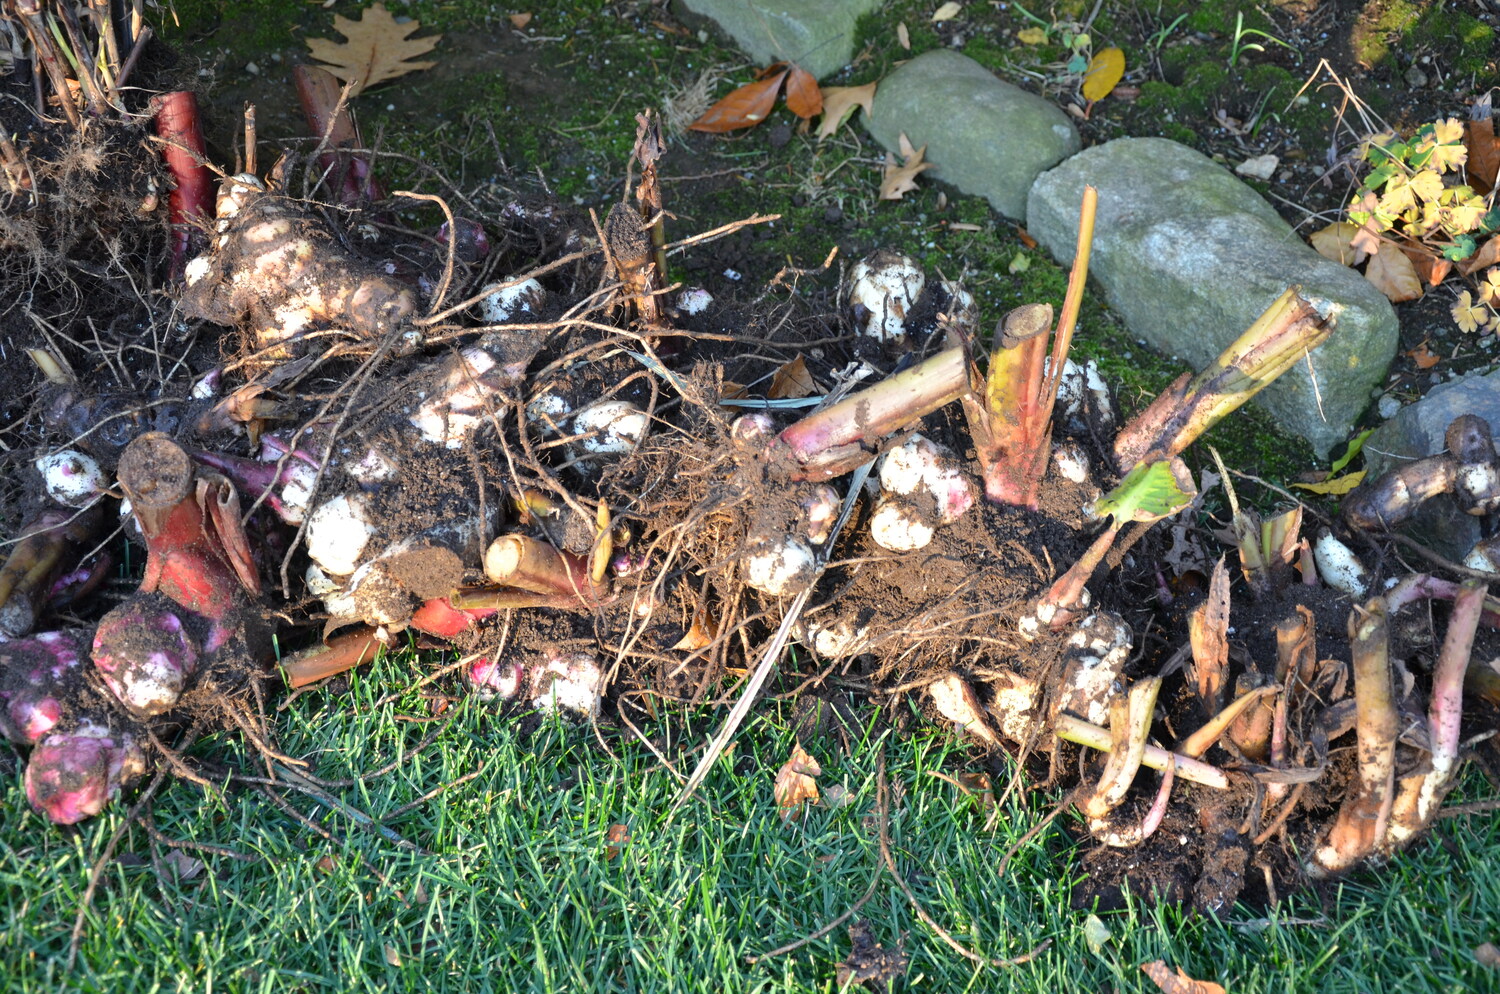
{"points": [[820, 509], [899, 528], [780, 567], [1339, 567], [613, 427], [694, 300], [337, 533], [882, 288], [573, 682], [549, 410], [501, 303], [72, 478]]}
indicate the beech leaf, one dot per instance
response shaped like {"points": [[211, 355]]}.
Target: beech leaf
{"points": [[803, 97], [841, 101], [745, 107], [898, 180], [1393, 274], [1179, 983], [795, 781], [376, 49], [1105, 70], [1333, 242]]}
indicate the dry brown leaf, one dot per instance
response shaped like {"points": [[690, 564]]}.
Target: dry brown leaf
{"points": [[703, 630], [791, 381], [903, 37], [1423, 357], [979, 784], [898, 180], [803, 97], [1488, 255], [377, 48], [1208, 635], [1333, 242], [1393, 274], [1431, 269], [795, 783], [841, 101], [745, 107], [518, 20], [1484, 154], [1179, 983], [616, 839]]}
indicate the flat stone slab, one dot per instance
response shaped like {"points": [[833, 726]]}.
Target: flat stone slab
{"points": [[983, 135], [1189, 257], [817, 35]]}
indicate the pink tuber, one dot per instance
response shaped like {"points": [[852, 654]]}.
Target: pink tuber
{"points": [[144, 654], [72, 775], [39, 678]]}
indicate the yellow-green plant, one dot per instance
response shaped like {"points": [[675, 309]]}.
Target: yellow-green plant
{"points": [[1414, 196]]}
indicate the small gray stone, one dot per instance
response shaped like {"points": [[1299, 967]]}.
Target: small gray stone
{"points": [[817, 35], [983, 135], [1417, 432], [1190, 257]]}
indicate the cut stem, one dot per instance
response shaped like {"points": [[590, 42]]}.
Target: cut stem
{"points": [[1076, 730]]}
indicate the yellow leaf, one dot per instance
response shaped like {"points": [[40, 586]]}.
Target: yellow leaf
{"points": [[947, 11], [1032, 36], [377, 48], [1333, 242], [839, 102], [1393, 274], [1336, 487], [898, 180], [1105, 70]]}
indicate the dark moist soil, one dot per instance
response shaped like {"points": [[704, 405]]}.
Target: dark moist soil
{"points": [[690, 498]]}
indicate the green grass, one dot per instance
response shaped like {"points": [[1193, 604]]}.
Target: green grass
{"points": [[519, 892]]}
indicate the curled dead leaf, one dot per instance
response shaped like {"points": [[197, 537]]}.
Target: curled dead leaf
{"points": [[898, 180], [795, 782], [839, 102], [1393, 274], [1179, 983], [615, 840]]}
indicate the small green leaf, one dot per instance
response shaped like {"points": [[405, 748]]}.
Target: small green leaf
{"points": [[1149, 492], [1490, 222], [1463, 247], [1096, 934], [1380, 175], [1355, 444]]}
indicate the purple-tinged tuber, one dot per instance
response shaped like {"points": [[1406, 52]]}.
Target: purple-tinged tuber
{"points": [[72, 775], [144, 654], [40, 678]]}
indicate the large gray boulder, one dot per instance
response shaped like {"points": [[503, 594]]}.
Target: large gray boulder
{"points": [[983, 135], [818, 35], [1189, 257]]}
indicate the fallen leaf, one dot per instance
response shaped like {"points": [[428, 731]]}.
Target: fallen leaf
{"points": [[185, 867], [903, 37], [1105, 70], [377, 48], [701, 632], [1392, 273], [803, 97], [1180, 983], [1032, 36], [1333, 242], [947, 11], [745, 107], [898, 180], [841, 101], [1261, 167], [391, 955], [519, 20], [615, 840], [1488, 255], [1423, 357], [838, 796], [1025, 237], [795, 783], [1430, 269], [791, 381], [1336, 487], [1488, 955], [978, 784], [1096, 934], [1484, 154]]}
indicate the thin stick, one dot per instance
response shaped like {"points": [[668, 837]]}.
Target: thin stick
{"points": [[954, 944], [442, 290], [874, 882]]}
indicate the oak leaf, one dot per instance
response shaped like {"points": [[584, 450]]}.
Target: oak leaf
{"points": [[839, 102], [1393, 274], [376, 49], [1179, 983], [795, 781], [898, 180]]}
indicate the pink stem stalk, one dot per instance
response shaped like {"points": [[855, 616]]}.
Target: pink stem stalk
{"points": [[192, 197]]}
